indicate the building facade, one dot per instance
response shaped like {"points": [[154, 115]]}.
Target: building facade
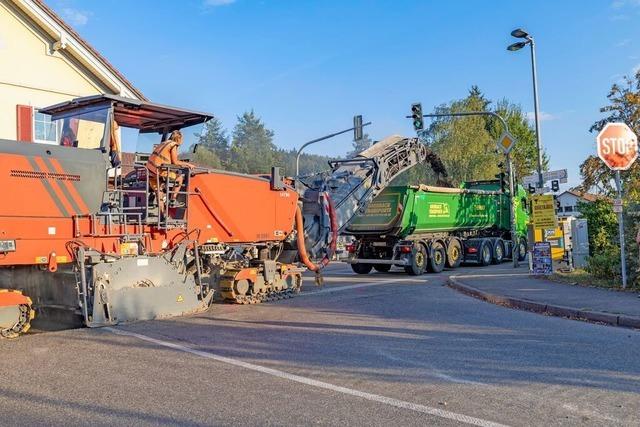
{"points": [[43, 61], [569, 201]]}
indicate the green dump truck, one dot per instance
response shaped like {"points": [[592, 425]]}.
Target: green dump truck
{"points": [[425, 228]]}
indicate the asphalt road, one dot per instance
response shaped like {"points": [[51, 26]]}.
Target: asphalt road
{"points": [[382, 349]]}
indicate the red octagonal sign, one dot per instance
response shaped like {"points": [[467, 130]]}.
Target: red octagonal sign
{"points": [[617, 146]]}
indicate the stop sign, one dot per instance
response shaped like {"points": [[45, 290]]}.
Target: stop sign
{"points": [[617, 146]]}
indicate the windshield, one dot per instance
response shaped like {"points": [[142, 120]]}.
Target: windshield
{"points": [[135, 141], [82, 129]]}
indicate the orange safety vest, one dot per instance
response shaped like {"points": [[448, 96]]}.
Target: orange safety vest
{"points": [[161, 156]]}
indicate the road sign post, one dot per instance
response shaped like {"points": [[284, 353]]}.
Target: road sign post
{"points": [[618, 149]]}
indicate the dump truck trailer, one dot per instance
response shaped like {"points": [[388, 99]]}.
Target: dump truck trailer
{"points": [[424, 228]]}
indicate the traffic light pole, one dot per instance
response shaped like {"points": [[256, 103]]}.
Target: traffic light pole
{"points": [[515, 246], [313, 141]]}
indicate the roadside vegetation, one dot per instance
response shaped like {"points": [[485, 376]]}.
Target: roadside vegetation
{"points": [[467, 145], [251, 149], [604, 261]]}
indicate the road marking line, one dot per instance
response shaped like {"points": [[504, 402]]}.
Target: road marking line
{"points": [[361, 285], [436, 412]]}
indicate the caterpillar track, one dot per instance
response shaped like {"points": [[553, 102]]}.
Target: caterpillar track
{"points": [[16, 313], [246, 286]]}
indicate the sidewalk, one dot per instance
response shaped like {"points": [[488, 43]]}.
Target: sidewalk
{"points": [[517, 289]]}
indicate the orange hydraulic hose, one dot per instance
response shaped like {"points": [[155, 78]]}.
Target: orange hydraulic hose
{"points": [[302, 249]]}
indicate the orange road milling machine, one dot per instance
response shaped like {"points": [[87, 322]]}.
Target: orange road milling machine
{"points": [[81, 239]]}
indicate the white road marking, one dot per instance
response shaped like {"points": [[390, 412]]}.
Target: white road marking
{"points": [[333, 289], [436, 412], [433, 372]]}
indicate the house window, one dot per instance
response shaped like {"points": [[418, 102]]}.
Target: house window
{"points": [[44, 130], [568, 208], [560, 209]]}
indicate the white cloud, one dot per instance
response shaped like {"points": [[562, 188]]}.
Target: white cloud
{"points": [[75, 16], [215, 3], [544, 116]]}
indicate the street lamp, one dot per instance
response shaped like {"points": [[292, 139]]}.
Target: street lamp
{"points": [[522, 34]]}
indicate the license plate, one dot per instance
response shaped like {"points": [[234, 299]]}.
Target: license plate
{"points": [[380, 244]]}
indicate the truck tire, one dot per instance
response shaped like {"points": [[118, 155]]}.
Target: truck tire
{"points": [[498, 251], [454, 253], [361, 268], [418, 261], [382, 268], [522, 249], [438, 257], [485, 254]]}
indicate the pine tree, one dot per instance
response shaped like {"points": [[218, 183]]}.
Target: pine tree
{"points": [[252, 147], [215, 139]]}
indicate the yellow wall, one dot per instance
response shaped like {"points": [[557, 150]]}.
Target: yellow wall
{"points": [[31, 73]]}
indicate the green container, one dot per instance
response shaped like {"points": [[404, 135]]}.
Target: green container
{"points": [[415, 210]]}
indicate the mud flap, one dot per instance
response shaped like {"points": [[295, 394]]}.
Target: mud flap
{"points": [[140, 288]]}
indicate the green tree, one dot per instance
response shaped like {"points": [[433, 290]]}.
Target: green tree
{"points": [[252, 148], [360, 145], [624, 106], [214, 139], [524, 154], [467, 145], [463, 143], [207, 158]]}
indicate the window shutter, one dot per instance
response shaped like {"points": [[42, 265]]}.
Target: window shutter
{"points": [[24, 115]]}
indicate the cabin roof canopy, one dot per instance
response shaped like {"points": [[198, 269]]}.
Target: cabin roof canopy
{"points": [[146, 116]]}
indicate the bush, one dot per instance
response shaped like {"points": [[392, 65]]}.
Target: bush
{"points": [[605, 265]]}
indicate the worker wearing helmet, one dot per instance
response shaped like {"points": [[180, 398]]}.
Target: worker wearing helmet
{"points": [[166, 153]]}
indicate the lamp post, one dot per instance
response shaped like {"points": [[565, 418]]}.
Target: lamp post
{"points": [[522, 34]]}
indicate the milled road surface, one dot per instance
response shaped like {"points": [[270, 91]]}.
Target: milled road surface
{"points": [[381, 349]]}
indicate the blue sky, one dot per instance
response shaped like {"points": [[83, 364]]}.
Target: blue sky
{"points": [[306, 67]]}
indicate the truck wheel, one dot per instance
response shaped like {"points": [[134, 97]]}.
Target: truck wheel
{"points": [[485, 255], [454, 253], [382, 268], [522, 249], [361, 268], [498, 252], [438, 258], [418, 261]]}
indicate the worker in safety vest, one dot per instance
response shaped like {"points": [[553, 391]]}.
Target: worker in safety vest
{"points": [[166, 153]]}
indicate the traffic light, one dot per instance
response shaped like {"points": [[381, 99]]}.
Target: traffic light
{"points": [[531, 189], [357, 128], [555, 199], [555, 185], [416, 115]]}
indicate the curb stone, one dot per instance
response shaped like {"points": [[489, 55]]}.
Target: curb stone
{"points": [[550, 309]]}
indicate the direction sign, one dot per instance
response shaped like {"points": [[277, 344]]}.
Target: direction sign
{"points": [[543, 211], [617, 146], [560, 175], [617, 205], [506, 142]]}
